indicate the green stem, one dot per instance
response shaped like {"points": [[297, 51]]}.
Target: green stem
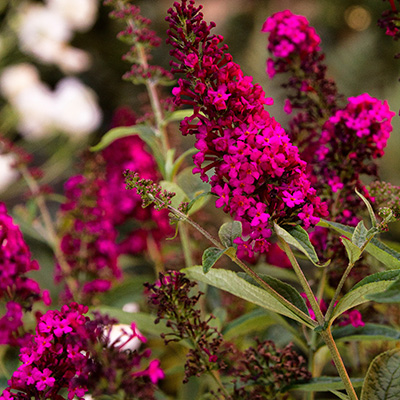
{"points": [[303, 281], [187, 253], [337, 291], [306, 318], [52, 236], [330, 342], [341, 283]]}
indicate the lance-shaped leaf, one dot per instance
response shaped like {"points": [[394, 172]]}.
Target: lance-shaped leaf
{"points": [[340, 395], [298, 238], [146, 133], [369, 207], [283, 288], [324, 384], [352, 250], [179, 115], [372, 284], [383, 377], [229, 232], [360, 235], [368, 332], [390, 295], [197, 191], [212, 255], [232, 283], [383, 253]]}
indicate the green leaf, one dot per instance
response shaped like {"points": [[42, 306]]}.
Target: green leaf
{"points": [[298, 237], [324, 384], [359, 235], [390, 295], [259, 320], [179, 115], [365, 333], [146, 133], [283, 288], [256, 320], [198, 202], [144, 322], [383, 253], [352, 250], [340, 395], [370, 210], [180, 195], [193, 187], [130, 290], [358, 294], [383, 377], [232, 283], [229, 232], [210, 257], [180, 160], [169, 164]]}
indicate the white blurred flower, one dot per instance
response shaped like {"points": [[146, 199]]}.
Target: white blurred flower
{"points": [[76, 111], [35, 106], [42, 32], [80, 14], [72, 108], [72, 60], [16, 78], [121, 333], [131, 307], [8, 174]]}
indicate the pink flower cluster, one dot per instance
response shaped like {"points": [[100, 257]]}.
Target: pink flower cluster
{"points": [[350, 140], [19, 291], [71, 353], [54, 357], [290, 38], [257, 172], [130, 154], [311, 94], [89, 240], [364, 124]]}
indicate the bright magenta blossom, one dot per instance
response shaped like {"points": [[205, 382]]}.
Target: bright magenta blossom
{"points": [[243, 152]]}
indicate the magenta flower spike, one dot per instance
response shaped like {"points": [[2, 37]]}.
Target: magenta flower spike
{"points": [[244, 153]]}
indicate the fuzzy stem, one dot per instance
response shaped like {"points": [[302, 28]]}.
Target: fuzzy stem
{"points": [[52, 236], [337, 291], [330, 342], [187, 253], [303, 281]]}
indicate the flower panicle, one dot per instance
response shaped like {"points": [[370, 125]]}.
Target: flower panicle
{"points": [[172, 295], [17, 289], [88, 235], [244, 153], [149, 191], [74, 354], [142, 40]]}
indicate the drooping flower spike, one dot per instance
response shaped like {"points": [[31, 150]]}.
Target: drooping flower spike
{"points": [[244, 153]]}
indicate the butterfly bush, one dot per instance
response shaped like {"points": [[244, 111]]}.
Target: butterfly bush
{"points": [[339, 141], [18, 290], [350, 140], [130, 153], [88, 235], [295, 49], [247, 157], [71, 352]]}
